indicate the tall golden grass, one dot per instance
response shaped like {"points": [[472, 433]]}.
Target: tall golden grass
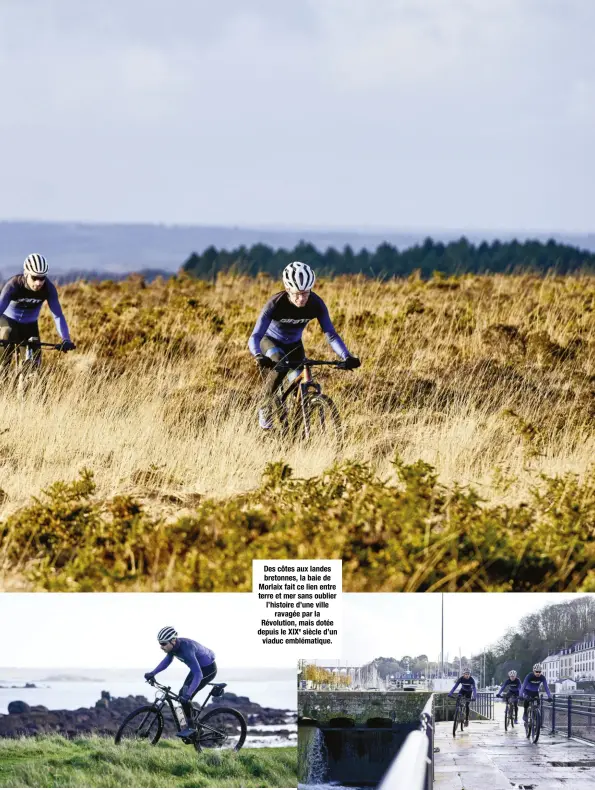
{"points": [[490, 380]]}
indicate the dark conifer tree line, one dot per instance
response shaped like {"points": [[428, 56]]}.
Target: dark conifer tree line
{"points": [[456, 257]]}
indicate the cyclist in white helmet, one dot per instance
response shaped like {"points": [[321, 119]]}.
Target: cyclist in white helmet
{"points": [[198, 658], [511, 688], [277, 335], [531, 686], [21, 301]]}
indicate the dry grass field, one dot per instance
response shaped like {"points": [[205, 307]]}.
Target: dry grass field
{"points": [[469, 448]]}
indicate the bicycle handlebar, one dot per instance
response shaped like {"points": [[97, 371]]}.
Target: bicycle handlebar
{"points": [[32, 343], [310, 363], [167, 689]]}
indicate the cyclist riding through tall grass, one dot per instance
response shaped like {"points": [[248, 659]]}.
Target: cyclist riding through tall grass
{"points": [[198, 658], [468, 691], [531, 685], [277, 335], [511, 688], [21, 301]]}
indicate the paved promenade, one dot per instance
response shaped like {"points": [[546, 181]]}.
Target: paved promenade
{"points": [[485, 757]]}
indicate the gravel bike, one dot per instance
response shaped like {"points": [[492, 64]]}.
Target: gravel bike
{"points": [[300, 410], [461, 714], [26, 360], [510, 712], [219, 728], [533, 720]]}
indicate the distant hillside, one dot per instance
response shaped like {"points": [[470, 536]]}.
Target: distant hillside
{"points": [[118, 249]]}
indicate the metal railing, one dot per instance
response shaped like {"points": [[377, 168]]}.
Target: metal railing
{"points": [[570, 715], [413, 768], [483, 705]]}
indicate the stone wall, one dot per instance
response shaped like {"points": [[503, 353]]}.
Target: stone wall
{"points": [[361, 706]]}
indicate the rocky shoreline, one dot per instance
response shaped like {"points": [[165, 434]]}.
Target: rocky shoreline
{"points": [[108, 713]]}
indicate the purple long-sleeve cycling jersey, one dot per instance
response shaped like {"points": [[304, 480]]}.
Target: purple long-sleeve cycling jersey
{"points": [[467, 686], [24, 305], [283, 321], [512, 685], [532, 683], [191, 653]]}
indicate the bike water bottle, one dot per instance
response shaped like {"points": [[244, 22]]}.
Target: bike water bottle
{"points": [[293, 374], [180, 715]]}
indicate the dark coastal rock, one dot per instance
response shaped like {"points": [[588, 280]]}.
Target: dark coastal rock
{"points": [[18, 707], [109, 712]]}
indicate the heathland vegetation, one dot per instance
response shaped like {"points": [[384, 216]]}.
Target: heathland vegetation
{"points": [[467, 462]]}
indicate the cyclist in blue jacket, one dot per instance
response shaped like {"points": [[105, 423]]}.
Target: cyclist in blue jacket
{"points": [[513, 684], [468, 691], [277, 335], [21, 300], [198, 658], [530, 687]]}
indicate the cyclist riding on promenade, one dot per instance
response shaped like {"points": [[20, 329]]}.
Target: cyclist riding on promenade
{"points": [[468, 690], [21, 301], [530, 687], [513, 684], [198, 658], [277, 334]]}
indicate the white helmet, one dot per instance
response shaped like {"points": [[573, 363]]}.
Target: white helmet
{"points": [[537, 668], [466, 671], [298, 276], [166, 634], [512, 674], [35, 264]]}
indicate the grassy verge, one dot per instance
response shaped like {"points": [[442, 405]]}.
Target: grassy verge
{"points": [[54, 761]]}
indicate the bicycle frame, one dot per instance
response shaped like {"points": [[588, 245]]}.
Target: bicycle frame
{"points": [[304, 380], [165, 695]]}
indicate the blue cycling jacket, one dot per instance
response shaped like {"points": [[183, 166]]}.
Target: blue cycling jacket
{"points": [[191, 653], [24, 305], [532, 684], [514, 686], [283, 321], [467, 685]]}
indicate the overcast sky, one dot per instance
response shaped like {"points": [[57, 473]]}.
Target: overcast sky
{"points": [[382, 624], [464, 114], [120, 629]]}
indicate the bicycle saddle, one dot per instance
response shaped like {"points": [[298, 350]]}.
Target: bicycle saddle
{"points": [[218, 685]]}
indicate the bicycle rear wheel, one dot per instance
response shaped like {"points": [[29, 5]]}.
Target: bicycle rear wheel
{"points": [[221, 728], [321, 421], [143, 724]]}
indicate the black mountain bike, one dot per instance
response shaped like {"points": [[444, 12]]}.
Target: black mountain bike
{"points": [[533, 721], [219, 728], [510, 712], [27, 367], [461, 714], [300, 410]]}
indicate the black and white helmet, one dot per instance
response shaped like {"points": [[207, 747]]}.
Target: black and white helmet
{"points": [[537, 668], [466, 671], [298, 276], [166, 634], [35, 264], [512, 674]]}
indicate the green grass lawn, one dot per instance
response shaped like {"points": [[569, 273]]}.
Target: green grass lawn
{"points": [[54, 761]]}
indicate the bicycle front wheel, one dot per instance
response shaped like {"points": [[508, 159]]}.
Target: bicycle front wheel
{"points": [[455, 720], [143, 724], [507, 717], [536, 724], [322, 421], [221, 728]]}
